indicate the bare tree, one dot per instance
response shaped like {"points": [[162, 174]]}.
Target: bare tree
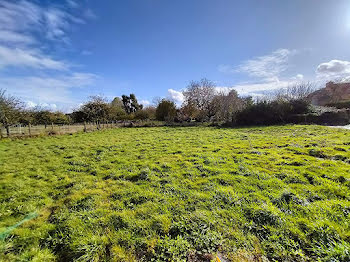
{"points": [[298, 91], [188, 112], [199, 94], [10, 110], [156, 100], [225, 106]]}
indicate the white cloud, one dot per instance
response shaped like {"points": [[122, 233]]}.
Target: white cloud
{"points": [[334, 70], [72, 4], [13, 37], [31, 104], [145, 102], [334, 66], [28, 58], [27, 32], [20, 16], [23, 24], [267, 67], [58, 22], [48, 90], [265, 73], [177, 96], [49, 106], [24, 17], [257, 89], [299, 77]]}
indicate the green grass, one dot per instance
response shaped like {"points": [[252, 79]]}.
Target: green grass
{"points": [[170, 194]]}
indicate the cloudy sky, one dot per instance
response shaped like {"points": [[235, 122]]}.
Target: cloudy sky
{"points": [[57, 53]]}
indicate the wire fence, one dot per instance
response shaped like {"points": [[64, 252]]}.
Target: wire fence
{"points": [[21, 130], [29, 130]]}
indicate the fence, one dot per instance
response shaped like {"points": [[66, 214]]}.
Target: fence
{"points": [[54, 129], [28, 130]]}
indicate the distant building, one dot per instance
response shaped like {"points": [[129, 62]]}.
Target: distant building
{"points": [[333, 93]]}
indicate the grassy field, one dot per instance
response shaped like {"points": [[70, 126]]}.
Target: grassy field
{"points": [[177, 194]]}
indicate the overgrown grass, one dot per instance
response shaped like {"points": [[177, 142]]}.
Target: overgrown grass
{"points": [[178, 194]]}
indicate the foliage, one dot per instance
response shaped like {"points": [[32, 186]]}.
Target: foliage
{"points": [[188, 112], [40, 116], [146, 113], [162, 194], [117, 102], [116, 111], [131, 104], [97, 109], [226, 106], [166, 110], [202, 103], [267, 112], [10, 109], [340, 105]]}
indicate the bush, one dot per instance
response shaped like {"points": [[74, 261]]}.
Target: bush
{"points": [[141, 115], [146, 113], [271, 112], [340, 105], [166, 110]]}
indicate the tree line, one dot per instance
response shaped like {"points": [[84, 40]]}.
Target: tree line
{"points": [[202, 103]]}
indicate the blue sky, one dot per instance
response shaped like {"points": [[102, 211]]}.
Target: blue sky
{"points": [[57, 53]]}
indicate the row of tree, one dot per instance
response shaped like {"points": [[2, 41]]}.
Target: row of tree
{"points": [[13, 111], [202, 102]]}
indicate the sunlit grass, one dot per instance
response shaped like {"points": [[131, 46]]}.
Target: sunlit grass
{"points": [[169, 194]]}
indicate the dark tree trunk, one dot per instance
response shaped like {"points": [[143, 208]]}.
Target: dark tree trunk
{"points": [[8, 131]]}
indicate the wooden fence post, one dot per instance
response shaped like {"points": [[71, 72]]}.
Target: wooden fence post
{"points": [[84, 126], [29, 131]]}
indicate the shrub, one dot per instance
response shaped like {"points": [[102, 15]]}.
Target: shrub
{"points": [[141, 115], [271, 112], [340, 105], [166, 110]]}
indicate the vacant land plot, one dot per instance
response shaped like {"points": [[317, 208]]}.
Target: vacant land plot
{"points": [[177, 194]]}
